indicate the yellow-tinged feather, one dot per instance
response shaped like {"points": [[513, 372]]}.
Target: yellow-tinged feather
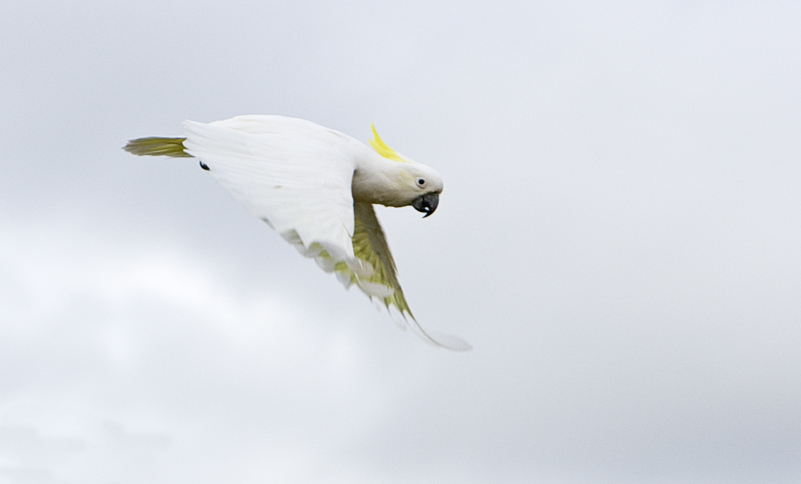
{"points": [[157, 147], [370, 246], [378, 144]]}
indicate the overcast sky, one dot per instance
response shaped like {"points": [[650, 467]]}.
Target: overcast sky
{"points": [[619, 238]]}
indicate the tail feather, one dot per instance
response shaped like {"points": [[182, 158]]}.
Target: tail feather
{"points": [[157, 147]]}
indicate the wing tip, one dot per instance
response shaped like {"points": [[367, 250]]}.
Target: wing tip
{"points": [[434, 338], [438, 339], [450, 342]]}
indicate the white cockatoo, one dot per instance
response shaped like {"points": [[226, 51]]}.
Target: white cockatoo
{"points": [[316, 187]]}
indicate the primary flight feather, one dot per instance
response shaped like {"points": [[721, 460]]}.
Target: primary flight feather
{"points": [[316, 187]]}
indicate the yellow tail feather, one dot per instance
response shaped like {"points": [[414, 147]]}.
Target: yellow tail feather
{"points": [[157, 147]]}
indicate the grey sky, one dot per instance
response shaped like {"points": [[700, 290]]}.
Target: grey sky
{"points": [[619, 238]]}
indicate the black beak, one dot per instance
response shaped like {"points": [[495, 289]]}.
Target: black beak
{"points": [[426, 203]]}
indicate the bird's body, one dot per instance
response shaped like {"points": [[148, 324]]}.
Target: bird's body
{"points": [[315, 186]]}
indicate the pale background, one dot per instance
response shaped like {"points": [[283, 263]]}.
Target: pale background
{"points": [[619, 238]]}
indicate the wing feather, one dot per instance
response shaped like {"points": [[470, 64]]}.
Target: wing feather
{"points": [[297, 176], [382, 286], [293, 174]]}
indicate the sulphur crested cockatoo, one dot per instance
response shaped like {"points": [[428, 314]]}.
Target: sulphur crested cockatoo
{"points": [[316, 187]]}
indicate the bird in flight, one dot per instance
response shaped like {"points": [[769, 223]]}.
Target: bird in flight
{"points": [[316, 187]]}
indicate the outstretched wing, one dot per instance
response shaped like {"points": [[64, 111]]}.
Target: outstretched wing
{"points": [[296, 176], [293, 174], [382, 286]]}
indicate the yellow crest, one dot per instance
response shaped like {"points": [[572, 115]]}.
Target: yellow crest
{"points": [[378, 144]]}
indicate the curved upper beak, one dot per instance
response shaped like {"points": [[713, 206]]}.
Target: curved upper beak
{"points": [[426, 203]]}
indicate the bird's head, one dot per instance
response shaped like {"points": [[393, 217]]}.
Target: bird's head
{"points": [[415, 184], [423, 186]]}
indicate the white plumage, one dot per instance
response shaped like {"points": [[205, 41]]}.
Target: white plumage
{"points": [[316, 187]]}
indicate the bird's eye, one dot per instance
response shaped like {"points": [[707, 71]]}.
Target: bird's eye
{"points": [[421, 182]]}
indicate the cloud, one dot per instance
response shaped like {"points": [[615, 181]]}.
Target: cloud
{"points": [[617, 237]]}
